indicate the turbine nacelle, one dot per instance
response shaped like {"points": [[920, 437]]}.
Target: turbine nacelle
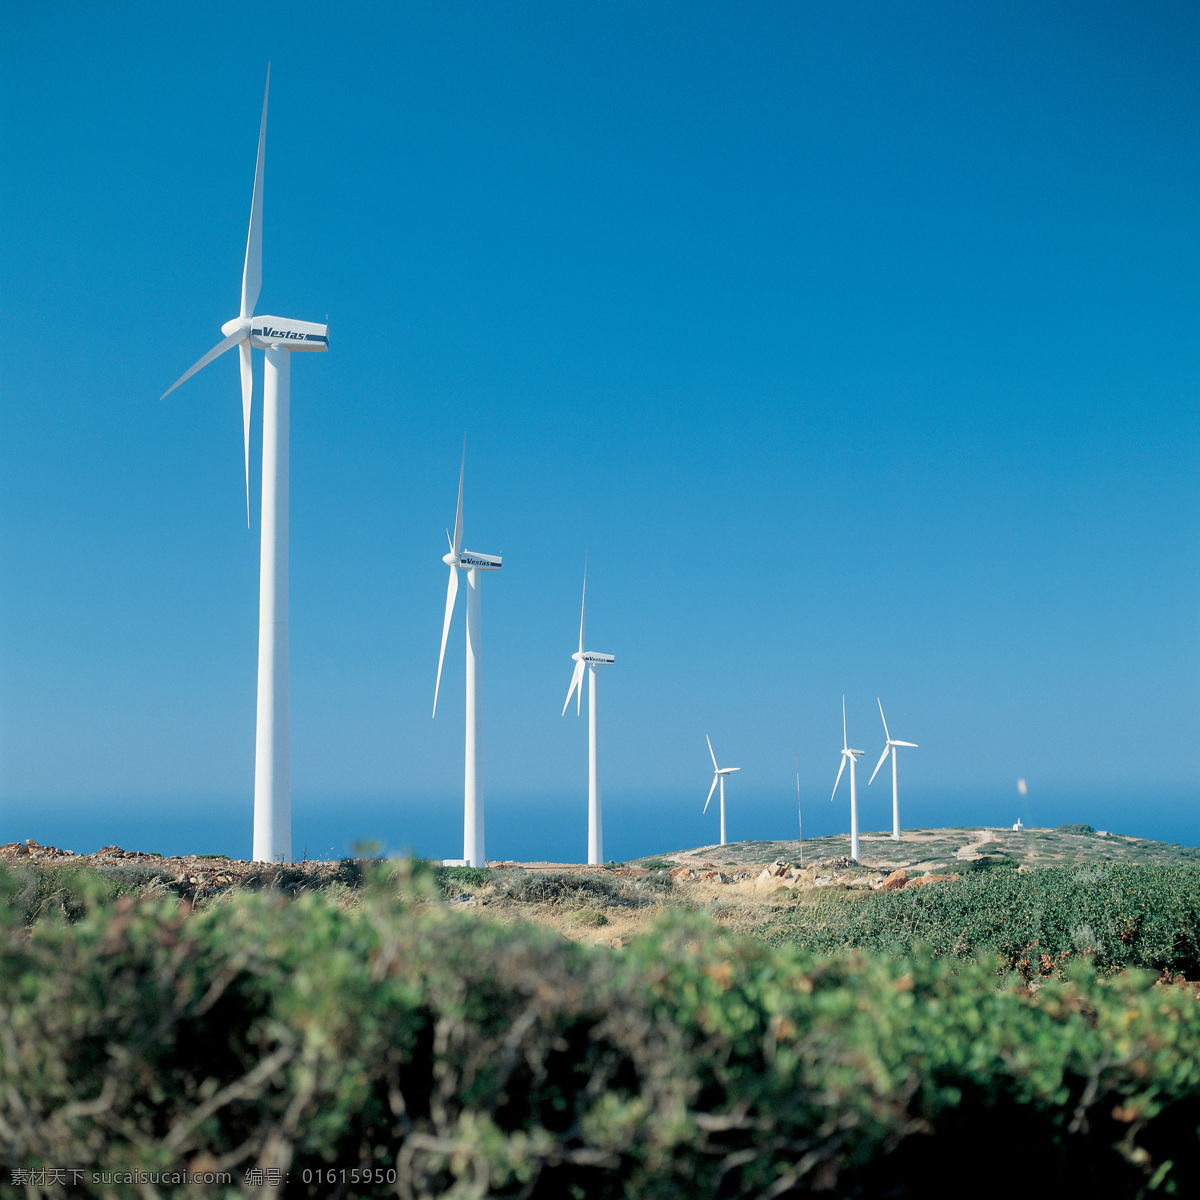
{"points": [[263, 332], [592, 658], [469, 560]]}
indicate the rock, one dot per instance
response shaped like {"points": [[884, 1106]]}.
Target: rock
{"points": [[679, 874], [32, 844], [823, 881], [922, 880], [897, 879], [767, 880], [779, 868]]}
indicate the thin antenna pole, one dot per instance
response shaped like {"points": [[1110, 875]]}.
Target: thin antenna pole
{"points": [[799, 814]]}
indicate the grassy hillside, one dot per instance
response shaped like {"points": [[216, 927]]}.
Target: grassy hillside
{"points": [[937, 849]]}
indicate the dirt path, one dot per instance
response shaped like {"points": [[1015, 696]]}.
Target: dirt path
{"points": [[971, 849]]}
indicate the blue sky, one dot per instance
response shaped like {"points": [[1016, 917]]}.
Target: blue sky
{"points": [[856, 343]]}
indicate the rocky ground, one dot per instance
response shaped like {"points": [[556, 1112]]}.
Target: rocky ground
{"points": [[191, 876], [739, 882]]}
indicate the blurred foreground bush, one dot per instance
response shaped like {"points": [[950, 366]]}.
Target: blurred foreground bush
{"points": [[462, 1058]]}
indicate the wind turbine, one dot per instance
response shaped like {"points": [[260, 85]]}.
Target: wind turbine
{"points": [[891, 745], [467, 560], [592, 659], [279, 337], [853, 757], [719, 774]]}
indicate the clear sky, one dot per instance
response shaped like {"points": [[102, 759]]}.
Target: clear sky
{"points": [[856, 343]]}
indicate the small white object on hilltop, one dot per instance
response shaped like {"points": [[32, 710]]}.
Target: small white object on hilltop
{"points": [[1018, 826]]}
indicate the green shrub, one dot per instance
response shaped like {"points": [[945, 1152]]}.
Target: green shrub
{"points": [[1138, 917], [988, 862], [1075, 829], [558, 887], [456, 878], [586, 916]]}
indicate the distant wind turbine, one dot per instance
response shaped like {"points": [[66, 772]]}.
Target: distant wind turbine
{"points": [[719, 774], [466, 560], [279, 337], [853, 756], [591, 659], [890, 747]]}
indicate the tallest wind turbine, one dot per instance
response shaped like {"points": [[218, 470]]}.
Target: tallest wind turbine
{"points": [[279, 337]]}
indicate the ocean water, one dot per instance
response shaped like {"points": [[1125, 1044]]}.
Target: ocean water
{"points": [[555, 828]]}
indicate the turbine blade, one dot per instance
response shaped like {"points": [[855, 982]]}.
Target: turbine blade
{"points": [[845, 744], [238, 335], [883, 718], [576, 682], [912, 744], [710, 792], [451, 592], [247, 397], [882, 760], [838, 779], [456, 544], [252, 270], [583, 606], [710, 750]]}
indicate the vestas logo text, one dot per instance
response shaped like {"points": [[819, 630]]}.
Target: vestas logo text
{"points": [[288, 334], [467, 560]]}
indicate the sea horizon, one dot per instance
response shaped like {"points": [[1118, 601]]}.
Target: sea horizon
{"points": [[554, 828]]}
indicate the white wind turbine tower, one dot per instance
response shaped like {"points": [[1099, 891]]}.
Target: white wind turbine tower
{"points": [[719, 774], [890, 747], [853, 756], [466, 560], [592, 659], [279, 337]]}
